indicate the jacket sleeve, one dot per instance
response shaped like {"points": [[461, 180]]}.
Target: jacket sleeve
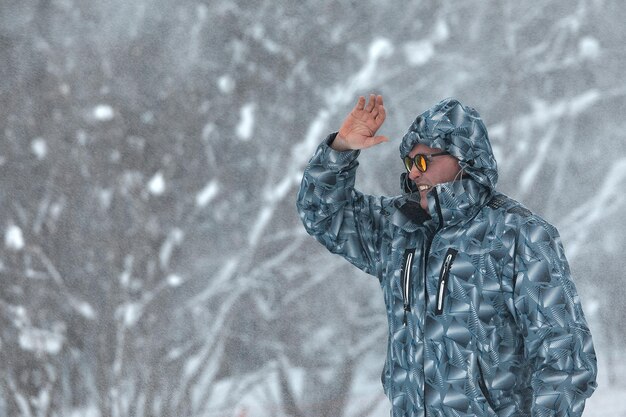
{"points": [[344, 220], [557, 341]]}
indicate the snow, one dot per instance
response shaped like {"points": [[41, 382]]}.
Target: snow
{"points": [[89, 411], [589, 48], [64, 89], [264, 399], [441, 32], [41, 341], [584, 102], [338, 95], [419, 53], [13, 238], [103, 112], [129, 313], [545, 117], [207, 131], [219, 280], [147, 117], [113, 111], [174, 280], [226, 84], [105, 196], [246, 122], [39, 148], [608, 201], [156, 185], [259, 225], [174, 239], [379, 49], [208, 193], [607, 401], [84, 308]]}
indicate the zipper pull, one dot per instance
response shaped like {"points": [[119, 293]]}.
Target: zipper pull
{"points": [[406, 281], [407, 308], [443, 279]]}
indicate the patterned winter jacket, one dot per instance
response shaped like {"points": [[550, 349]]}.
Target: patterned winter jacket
{"points": [[484, 319]]}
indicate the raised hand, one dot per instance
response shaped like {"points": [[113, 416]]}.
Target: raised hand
{"points": [[358, 130]]}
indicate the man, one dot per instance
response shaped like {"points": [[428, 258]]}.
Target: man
{"points": [[484, 319]]}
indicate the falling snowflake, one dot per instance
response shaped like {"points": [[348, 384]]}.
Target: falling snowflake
{"points": [[13, 238]]}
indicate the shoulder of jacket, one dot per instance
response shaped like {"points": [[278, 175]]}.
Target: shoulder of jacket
{"points": [[504, 203], [519, 215]]}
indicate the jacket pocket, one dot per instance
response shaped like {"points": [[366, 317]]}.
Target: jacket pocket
{"points": [[483, 386], [405, 275], [443, 278]]}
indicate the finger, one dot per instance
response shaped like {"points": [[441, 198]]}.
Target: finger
{"points": [[374, 112], [371, 102], [382, 114], [360, 103], [379, 109]]}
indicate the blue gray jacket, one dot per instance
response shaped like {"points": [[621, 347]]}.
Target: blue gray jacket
{"points": [[484, 319]]}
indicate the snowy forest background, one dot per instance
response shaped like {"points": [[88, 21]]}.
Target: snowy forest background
{"points": [[152, 262]]}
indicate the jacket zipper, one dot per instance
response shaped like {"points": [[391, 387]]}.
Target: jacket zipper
{"points": [[443, 279], [429, 243], [406, 281]]}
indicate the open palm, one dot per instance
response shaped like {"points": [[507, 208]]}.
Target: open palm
{"points": [[358, 130]]}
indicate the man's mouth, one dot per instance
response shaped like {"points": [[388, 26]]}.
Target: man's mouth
{"points": [[423, 187]]}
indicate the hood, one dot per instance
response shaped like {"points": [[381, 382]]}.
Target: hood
{"points": [[459, 130]]}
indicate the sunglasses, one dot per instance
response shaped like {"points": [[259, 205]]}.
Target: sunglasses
{"points": [[420, 160]]}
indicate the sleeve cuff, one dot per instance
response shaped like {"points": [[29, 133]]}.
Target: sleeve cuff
{"points": [[337, 160]]}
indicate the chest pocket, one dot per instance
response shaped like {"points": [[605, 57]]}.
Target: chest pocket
{"points": [[405, 279], [444, 274]]}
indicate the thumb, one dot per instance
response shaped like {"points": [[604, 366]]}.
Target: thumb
{"points": [[379, 139], [375, 140]]}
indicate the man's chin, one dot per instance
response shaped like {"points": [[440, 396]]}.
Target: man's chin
{"points": [[424, 200]]}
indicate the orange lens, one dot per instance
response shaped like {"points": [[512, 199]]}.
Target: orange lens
{"points": [[408, 163], [421, 162]]}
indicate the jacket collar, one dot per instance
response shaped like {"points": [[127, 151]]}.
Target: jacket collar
{"points": [[456, 202], [449, 204], [406, 213]]}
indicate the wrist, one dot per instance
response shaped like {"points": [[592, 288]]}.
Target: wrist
{"points": [[337, 160], [339, 144]]}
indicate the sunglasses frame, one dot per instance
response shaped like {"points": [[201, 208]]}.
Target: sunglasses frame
{"points": [[427, 160]]}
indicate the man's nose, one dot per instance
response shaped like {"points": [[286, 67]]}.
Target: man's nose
{"points": [[414, 173]]}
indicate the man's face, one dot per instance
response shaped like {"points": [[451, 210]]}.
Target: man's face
{"points": [[440, 169]]}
